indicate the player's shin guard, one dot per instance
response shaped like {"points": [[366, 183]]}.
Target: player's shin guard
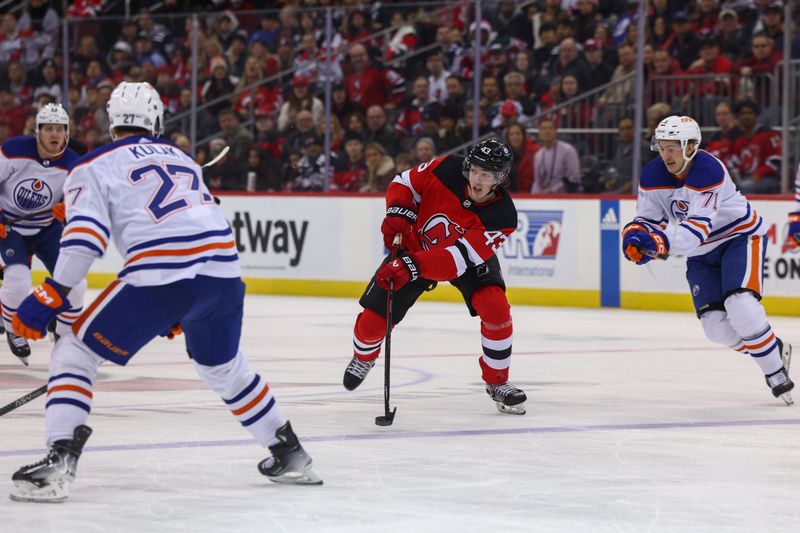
{"points": [[73, 369], [748, 318], [247, 395], [718, 329], [16, 286], [497, 333]]}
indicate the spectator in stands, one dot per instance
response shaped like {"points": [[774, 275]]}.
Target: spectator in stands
{"points": [[664, 83], [39, 17], [380, 169], [618, 177], [600, 72], [257, 48], [508, 114], [772, 23], [17, 83], [403, 40], [235, 135], [49, 83], [350, 171], [732, 36], [722, 142], [683, 45], [452, 51], [182, 142], [490, 95], [756, 70], [300, 98], [247, 100], [13, 114], [704, 94], [531, 80], [456, 95], [87, 51], [705, 16], [260, 163], [757, 153], [356, 123], [409, 122], [514, 84], [448, 135], [522, 171], [605, 40], [267, 137], [577, 115], [498, 64], [236, 53], [464, 126], [570, 62], [424, 150], [437, 76], [157, 34], [120, 60], [379, 131], [367, 85], [659, 33], [218, 85], [145, 51], [653, 117], [341, 106], [586, 19], [556, 165], [542, 53], [523, 23], [618, 97], [310, 176], [303, 126], [168, 90]]}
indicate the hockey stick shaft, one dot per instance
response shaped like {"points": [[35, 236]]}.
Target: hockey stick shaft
{"points": [[652, 253], [219, 157], [23, 400], [388, 416]]}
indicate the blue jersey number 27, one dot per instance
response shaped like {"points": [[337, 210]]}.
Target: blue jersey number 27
{"points": [[161, 203]]}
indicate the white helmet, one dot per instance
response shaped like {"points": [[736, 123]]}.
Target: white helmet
{"points": [[53, 114], [682, 129], [135, 105]]}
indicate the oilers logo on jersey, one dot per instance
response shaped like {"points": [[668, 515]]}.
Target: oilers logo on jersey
{"points": [[680, 209], [32, 194]]}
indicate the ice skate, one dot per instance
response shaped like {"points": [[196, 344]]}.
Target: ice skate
{"points": [[289, 463], [355, 372], [508, 398], [19, 347], [779, 381], [48, 480]]}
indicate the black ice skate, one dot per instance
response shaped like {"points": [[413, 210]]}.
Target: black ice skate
{"points": [[355, 372], [779, 381], [19, 347], [289, 463], [48, 480], [508, 398]]}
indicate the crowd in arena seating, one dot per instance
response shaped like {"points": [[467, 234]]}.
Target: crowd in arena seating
{"points": [[401, 83]]}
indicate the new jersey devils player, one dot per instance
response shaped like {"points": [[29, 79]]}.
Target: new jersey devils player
{"points": [[450, 229]]}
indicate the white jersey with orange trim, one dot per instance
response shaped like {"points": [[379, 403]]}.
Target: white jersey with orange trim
{"points": [[797, 188], [30, 184], [148, 196], [699, 212]]}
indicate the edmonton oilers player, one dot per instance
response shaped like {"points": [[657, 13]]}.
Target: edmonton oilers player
{"points": [[452, 214], [180, 268], [32, 174], [794, 217], [689, 206]]}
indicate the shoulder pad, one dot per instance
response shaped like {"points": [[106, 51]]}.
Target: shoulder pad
{"points": [[707, 172], [656, 176], [23, 147]]}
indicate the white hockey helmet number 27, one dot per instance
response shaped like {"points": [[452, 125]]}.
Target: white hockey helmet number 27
{"points": [[135, 105]]}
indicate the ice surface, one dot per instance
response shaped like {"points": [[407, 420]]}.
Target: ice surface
{"points": [[635, 423]]}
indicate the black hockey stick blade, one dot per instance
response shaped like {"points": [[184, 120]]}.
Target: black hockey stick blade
{"points": [[387, 419], [22, 401]]}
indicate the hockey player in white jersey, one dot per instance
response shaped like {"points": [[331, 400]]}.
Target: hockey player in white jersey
{"points": [[689, 206], [32, 174], [794, 217], [181, 267]]}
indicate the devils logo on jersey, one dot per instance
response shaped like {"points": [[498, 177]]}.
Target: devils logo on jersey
{"points": [[32, 194], [440, 231], [750, 158], [679, 209]]}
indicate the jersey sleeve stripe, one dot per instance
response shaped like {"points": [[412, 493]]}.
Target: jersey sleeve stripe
{"points": [[458, 259], [693, 232], [699, 225], [473, 256], [181, 252], [404, 178], [717, 184], [84, 244], [83, 218], [183, 238], [160, 266], [89, 232]]}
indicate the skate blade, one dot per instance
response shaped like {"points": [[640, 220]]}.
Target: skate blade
{"points": [[787, 398], [32, 494], [786, 356], [518, 409], [306, 477], [24, 359]]}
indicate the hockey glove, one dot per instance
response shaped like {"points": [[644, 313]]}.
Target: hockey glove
{"points": [[794, 226], [173, 332], [59, 212], [399, 218], [400, 271], [38, 309], [3, 222], [641, 245]]}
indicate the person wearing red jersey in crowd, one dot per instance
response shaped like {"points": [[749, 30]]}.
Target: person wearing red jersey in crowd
{"points": [[721, 143], [522, 171], [450, 230], [756, 70], [757, 153], [706, 91], [350, 171], [367, 85]]}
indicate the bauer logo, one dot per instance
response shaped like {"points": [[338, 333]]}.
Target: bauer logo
{"points": [[32, 194], [536, 237]]}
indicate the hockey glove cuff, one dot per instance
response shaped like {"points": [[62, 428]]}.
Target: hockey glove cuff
{"points": [[38, 309], [173, 332], [399, 271], [59, 212], [794, 226], [400, 217]]}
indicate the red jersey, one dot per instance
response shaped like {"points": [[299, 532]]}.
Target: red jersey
{"points": [[452, 232], [721, 145], [759, 154]]}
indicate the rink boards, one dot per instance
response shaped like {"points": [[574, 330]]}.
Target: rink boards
{"points": [[565, 252]]}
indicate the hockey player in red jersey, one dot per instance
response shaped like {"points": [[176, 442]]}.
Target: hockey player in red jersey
{"points": [[450, 229]]}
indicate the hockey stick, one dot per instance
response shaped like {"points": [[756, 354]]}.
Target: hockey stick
{"points": [[387, 417], [22, 401], [652, 253], [219, 157]]}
